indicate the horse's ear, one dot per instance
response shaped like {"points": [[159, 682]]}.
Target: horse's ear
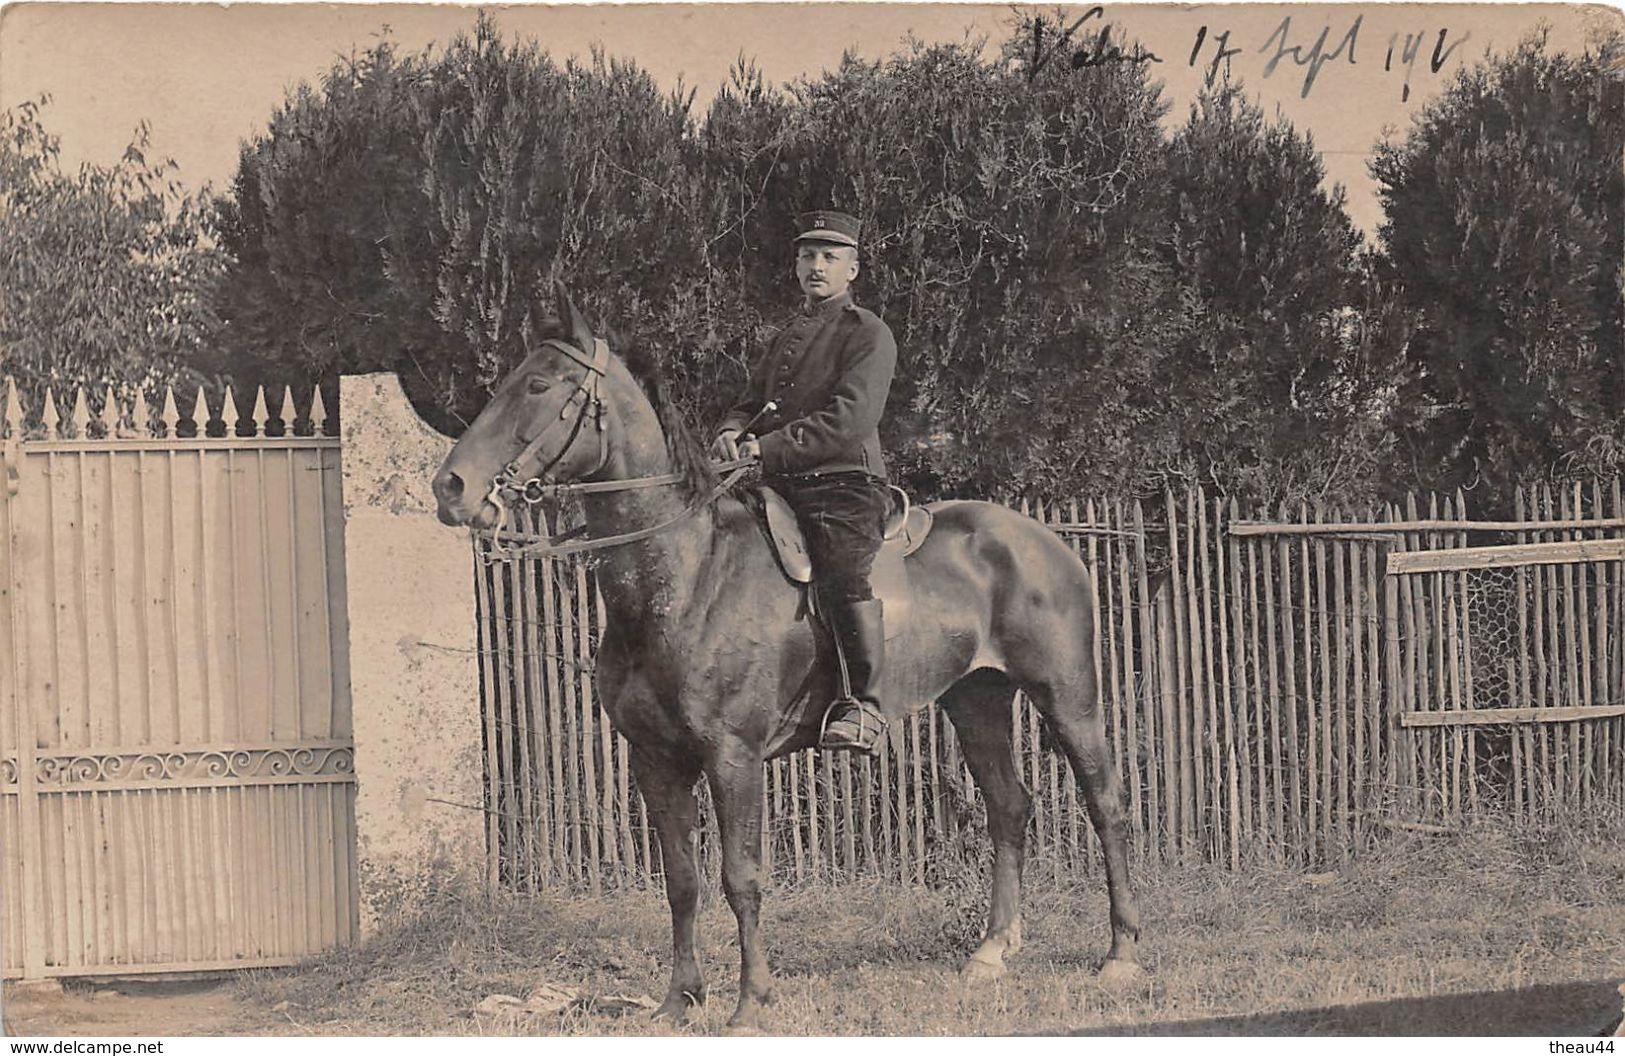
{"points": [[571, 317], [563, 306]]}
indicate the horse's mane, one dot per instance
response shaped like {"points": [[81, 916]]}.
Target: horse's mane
{"points": [[689, 457]]}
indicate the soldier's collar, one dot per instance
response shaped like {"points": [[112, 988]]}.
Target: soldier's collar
{"points": [[828, 306]]}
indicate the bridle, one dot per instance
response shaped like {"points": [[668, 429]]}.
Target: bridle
{"points": [[507, 486]]}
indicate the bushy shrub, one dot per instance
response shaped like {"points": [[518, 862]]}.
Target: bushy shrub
{"points": [[107, 274], [1051, 264], [1505, 208]]}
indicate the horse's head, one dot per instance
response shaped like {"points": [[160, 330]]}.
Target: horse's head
{"points": [[544, 422]]}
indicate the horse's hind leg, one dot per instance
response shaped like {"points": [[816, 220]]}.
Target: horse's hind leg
{"points": [[979, 707], [668, 792], [1080, 729]]}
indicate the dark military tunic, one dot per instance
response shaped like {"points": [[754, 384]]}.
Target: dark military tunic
{"points": [[829, 372]]}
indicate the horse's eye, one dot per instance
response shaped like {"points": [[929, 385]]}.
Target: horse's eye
{"points": [[538, 384]]}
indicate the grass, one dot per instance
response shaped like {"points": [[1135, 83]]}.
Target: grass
{"points": [[1493, 908]]}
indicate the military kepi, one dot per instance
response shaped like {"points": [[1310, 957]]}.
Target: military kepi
{"points": [[828, 226]]}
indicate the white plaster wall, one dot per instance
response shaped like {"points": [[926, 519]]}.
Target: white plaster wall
{"points": [[413, 665]]}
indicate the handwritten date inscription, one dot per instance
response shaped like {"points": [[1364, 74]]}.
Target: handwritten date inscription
{"points": [[1282, 45], [1309, 52]]}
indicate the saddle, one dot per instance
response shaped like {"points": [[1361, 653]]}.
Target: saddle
{"points": [[906, 528]]}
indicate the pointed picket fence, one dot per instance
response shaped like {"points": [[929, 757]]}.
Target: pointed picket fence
{"points": [[111, 416]]}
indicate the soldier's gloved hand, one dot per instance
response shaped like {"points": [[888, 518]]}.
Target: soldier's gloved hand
{"points": [[726, 445], [751, 448]]}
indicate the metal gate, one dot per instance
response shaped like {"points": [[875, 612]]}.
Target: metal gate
{"points": [[176, 761]]}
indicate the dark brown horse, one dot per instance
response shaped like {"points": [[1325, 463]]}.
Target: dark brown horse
{"points": [[706, 653]]}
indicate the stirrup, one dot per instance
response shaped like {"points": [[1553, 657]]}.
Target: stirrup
{"points": [[863, 735]]}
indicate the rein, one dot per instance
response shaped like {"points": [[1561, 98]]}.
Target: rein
{"points": [[558, 546], [507, 485]]}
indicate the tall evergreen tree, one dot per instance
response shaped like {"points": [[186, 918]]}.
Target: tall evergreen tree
{"points": [[538, 172], [1011, 225], [411, 214], [1284, 393], [1049, 264], [326, 205], [1504, 234]]}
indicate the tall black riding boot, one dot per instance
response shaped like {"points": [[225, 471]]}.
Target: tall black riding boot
{"points": [[854, 721]]}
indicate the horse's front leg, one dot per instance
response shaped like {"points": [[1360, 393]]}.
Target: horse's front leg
{"points": [[736, 792], [668, 792]]}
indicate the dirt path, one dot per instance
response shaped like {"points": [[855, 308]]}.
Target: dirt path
{"points": [[136, 1009]]}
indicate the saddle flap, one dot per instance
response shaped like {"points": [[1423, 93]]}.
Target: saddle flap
{"points": [[788, 544], [906, 529]]}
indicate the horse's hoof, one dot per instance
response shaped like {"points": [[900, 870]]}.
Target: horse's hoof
{"points": [[676, 1007], [747, 1017], [745, 1023], [1119, 973], [976, 972]]}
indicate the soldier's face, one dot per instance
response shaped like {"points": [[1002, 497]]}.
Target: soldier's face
{"points": [[825, 269]]}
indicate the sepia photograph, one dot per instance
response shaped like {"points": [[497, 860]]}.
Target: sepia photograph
{"points": [[812, 519]]}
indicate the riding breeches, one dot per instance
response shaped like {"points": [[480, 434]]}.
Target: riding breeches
{"points": [[843, 518]]}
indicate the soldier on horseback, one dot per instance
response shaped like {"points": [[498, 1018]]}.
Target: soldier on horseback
{"points": [[811, 413], [703, 660]]}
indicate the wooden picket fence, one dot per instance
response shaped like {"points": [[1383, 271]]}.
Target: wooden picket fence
{"points": [[1510, 667], [1273, 691]]}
